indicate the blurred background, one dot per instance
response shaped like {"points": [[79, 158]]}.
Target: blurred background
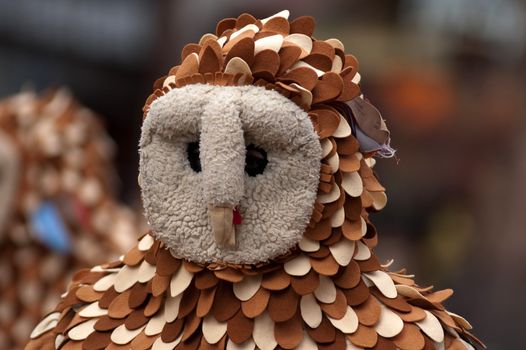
{"points": [[449, 76]]}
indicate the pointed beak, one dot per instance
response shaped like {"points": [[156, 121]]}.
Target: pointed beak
{"points": [[222, 221]]}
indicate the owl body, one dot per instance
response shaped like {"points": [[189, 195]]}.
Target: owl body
{"points": [[257, 181], [57, 213], [151, 300]]}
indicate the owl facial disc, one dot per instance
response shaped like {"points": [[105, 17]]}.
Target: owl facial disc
{"points": [[228, 173]]}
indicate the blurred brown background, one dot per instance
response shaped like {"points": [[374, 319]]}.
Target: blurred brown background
{"points": [[449, 76]]}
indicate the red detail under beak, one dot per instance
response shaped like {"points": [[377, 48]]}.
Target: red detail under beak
{"points": [[237, 219]]}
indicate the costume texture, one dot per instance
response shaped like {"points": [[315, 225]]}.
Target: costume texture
{"points": [[328, 289], [57, 213]]}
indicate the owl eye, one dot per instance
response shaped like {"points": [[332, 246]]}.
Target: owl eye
{"points": [[256, 160], [192, 151]]}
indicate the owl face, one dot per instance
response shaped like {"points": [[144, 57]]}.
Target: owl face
{"points": [[228, 174]]}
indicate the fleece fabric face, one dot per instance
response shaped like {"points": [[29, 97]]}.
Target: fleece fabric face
{"points": [[276, 205]]}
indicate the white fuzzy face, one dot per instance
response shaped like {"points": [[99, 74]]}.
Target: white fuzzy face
{"points": [[206, 147]]}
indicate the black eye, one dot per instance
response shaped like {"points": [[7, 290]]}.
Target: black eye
{"points": [[256, 160], [192, 151]]}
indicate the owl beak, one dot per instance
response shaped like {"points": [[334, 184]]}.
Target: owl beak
{"points": [[222, 220]]}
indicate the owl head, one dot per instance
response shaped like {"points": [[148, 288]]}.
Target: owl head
{"points": [[259, 144], [56, 158]]}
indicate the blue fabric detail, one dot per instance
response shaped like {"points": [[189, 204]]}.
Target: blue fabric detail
{"points": [[50, 228]]}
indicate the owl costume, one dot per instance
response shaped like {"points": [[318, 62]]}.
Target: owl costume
{"points": [[256, 161], [57, 211]]}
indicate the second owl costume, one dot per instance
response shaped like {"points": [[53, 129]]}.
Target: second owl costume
{"points": [[58, 212], [256, 173]]}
